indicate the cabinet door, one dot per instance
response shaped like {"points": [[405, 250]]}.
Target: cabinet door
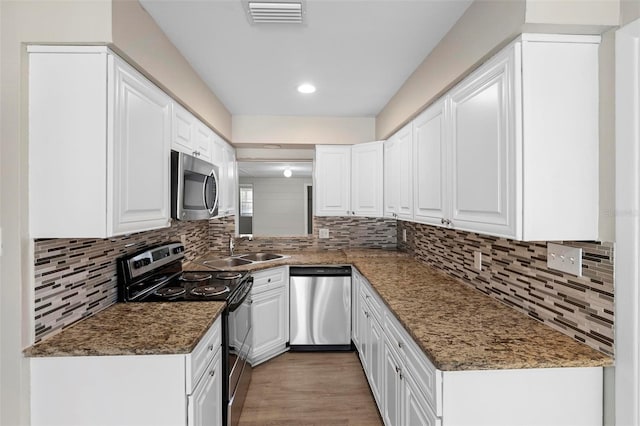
{"points": [[430, 168], [182, 130], [203, 142], [391, 177], [367, 179], [332, 184], [403, 165], [376, 353], [142, 117], [363, 315], [228, 184], [483, 150], [205, 404], [392, 386], [269, 316], [415, 409], [355, 309]]}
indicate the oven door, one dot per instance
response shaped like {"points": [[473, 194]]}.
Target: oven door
{"points": [[194, 188], [240, 325]]}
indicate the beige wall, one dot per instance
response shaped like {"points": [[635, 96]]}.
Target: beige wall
{"points": [[278, 129], [629, 11], [23, 22], [485, 26], [137, 36], [572, 12]]}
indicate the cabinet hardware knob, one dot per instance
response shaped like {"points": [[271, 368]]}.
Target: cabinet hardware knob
{"points": [[397, 369], [400, 345], [353, 213], [401, 376], [268, 280], [211, 347], [212, 373], [442, 221]]}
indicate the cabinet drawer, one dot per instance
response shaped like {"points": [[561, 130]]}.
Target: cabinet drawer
{"points": [[375, 304], [418, 365], [202, 355], [271, 278]]}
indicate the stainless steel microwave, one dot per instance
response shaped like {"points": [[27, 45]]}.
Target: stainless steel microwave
{"points": [[194, 188]]}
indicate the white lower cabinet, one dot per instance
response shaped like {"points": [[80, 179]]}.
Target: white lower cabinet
{"points": [[270, 314], [410, 391], [204, 405], [131, 389]]}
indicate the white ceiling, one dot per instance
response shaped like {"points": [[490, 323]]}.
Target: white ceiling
{"points": [[357, 52], [274, 169]]}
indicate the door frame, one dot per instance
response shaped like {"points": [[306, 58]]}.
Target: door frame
{"points": [[627, 251]]}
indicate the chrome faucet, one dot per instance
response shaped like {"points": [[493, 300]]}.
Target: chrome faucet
{"points": [[232, 242]]}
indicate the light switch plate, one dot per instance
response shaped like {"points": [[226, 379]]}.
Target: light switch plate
{"points": [[404, 235], [323, 233], [564, 258], [477, 260]]}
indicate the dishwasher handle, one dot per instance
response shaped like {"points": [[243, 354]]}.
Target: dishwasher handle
{"points": [[320, 271]]}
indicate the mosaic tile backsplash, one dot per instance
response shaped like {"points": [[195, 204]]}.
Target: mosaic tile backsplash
{"points": [[75, 278], [344, 232], [516, 273]]}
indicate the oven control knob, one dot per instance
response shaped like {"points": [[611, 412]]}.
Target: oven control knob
{"points": [[146, 261], [137, 264], [178, 250]]}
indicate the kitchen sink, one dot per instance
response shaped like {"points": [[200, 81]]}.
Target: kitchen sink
{"points": [[262, 257], [227, 262]]}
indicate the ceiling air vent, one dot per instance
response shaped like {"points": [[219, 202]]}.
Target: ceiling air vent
{"points": [[282, 12]]}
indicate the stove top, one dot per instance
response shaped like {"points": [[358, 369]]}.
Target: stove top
{"points": [[155, 275]]}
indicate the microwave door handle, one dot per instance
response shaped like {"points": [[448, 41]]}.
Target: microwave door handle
{"points": [[211, 176], [215, 180]]}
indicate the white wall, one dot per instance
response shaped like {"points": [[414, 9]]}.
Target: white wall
{"points": [[278, 205]]}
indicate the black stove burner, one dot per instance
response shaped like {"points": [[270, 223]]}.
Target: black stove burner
{"points": [[195, 276], [228, 275], [209, 290], [170, 291]]}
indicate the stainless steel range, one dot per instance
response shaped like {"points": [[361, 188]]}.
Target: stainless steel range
{"points": [[155, 275]]}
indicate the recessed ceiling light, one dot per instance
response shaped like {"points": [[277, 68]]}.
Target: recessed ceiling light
{"points": [[287, 173], [306, 88]]}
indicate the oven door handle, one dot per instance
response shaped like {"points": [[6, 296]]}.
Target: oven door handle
{"points": [[234, 304], [214, 179]]}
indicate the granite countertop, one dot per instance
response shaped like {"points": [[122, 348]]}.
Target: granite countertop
{"points": [[134, 329], [458, 327]]}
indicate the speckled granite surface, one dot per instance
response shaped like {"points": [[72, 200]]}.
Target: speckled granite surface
{"points": [[134, 329], [458, 327]]}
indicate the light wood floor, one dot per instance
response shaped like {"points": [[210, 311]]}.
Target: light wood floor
{"points": [[310, 388]]}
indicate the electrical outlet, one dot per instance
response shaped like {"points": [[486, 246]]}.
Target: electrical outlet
{"points": [[477, 260], [404, 235], [565, 259], [323, 233]]}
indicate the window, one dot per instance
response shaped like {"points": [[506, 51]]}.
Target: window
{"points": [[246, 200]]}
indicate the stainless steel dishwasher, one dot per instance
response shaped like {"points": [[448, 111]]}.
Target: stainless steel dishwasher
{"points": [[320, 308]]}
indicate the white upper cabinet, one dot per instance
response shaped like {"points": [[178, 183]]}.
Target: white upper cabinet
{"points": [[483, 144], [430, 166], [366, 179], [99, 141], [348, 180], [332, 184], [512, 150], [190, 135], [228, 180], [398, 175]]}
